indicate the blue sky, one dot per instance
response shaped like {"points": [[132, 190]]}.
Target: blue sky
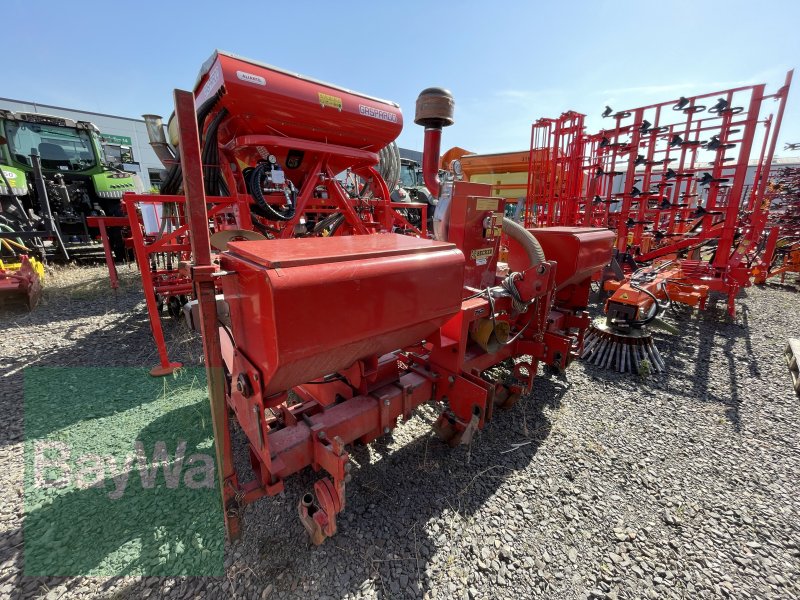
{"points": [[507, 63]]}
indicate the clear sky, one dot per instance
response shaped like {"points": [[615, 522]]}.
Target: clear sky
{"points": [[507, 63]]}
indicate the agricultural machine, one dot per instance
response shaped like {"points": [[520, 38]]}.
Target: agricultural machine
{"points": [[53, 175], [21, 281], [405, 319], [670, 180], [411, 188], [781, 246], [284, 157]]}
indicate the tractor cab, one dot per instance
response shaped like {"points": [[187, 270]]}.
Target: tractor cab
{"points": [[64, 146]]}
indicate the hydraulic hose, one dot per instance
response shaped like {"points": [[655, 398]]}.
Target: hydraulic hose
{"points": [[9, 229], [263, 207], [174, 180], [657, 308], [214, 182]]}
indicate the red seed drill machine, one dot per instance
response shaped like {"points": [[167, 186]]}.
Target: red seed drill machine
{"points": [[283, 156], [320, 342]]}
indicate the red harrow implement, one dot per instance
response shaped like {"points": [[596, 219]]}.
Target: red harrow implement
{"points": [[21, 282], [781, 253], [670, 180], [683, 193]]}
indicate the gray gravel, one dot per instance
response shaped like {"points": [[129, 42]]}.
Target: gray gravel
{"points": [[682, 485]]}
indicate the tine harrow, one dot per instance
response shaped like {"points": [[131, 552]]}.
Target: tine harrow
{"points": [[623, 352]]}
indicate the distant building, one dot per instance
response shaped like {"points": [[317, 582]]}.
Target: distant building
{"points": [[124, 139]]}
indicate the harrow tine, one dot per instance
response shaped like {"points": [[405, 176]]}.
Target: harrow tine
{"points": [[606, 352], [644, 356], [588, 345], [600, 351], [635, 355], [612, 351], [587, 348], [651, 357], [657, 356]]}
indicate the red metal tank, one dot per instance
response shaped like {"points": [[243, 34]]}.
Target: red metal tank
{"points": [[262, 99], [308, 307], [579, 251]]}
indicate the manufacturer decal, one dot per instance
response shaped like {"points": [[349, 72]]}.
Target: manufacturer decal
{"points": [[250, 78], [328, 100], [480, 253], [10, 175], [377, 113]]}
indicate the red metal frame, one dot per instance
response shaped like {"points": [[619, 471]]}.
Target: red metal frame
{"points": [[555, 171], [781, 243], [669, 178], [103, 223]]}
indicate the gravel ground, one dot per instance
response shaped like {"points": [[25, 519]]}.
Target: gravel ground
{"points": [[683, 484]]}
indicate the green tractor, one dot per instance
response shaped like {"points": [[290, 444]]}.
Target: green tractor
{"points": [[53, 174], [412, 188]]}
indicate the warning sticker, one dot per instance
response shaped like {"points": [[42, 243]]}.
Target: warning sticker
{"points": [[328, 100]]}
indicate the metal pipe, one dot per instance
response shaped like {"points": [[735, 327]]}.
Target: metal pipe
{"points": [[44, 202], [430, 160], [434, 110], [158, 139]]}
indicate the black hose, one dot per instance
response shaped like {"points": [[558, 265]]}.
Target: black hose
{"points": [[262, 206], [174, 180], [656, 312], [210, 157]]}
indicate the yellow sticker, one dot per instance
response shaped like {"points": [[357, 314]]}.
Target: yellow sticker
{"points": [[481, 253], [328, 100], [486, 204], [624, 296]]}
